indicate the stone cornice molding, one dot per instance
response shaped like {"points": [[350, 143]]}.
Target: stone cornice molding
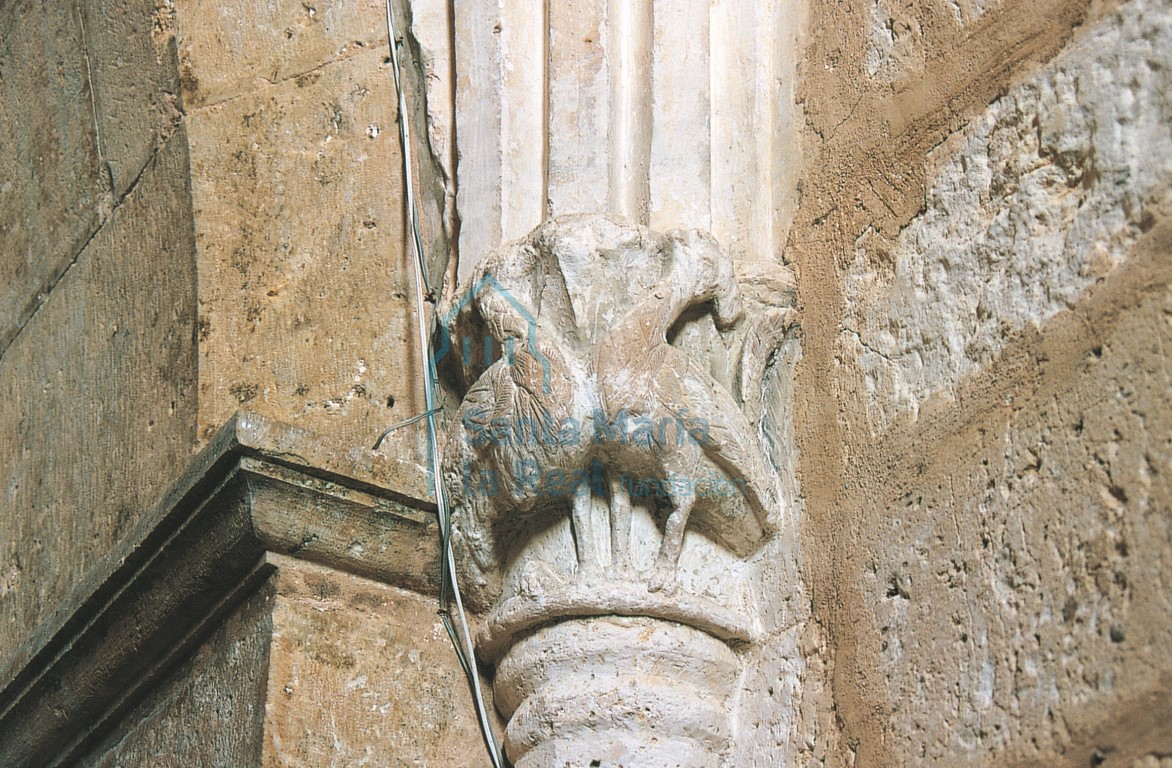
{"points": [[260, 487]]}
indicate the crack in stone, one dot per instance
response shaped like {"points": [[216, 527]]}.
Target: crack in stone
{"points": [[104, 164], [107, 209], [379, 46], [865, 345]]}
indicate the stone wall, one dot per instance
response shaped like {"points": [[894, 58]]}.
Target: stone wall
{"points": [[200, 210], [306, 285], [316, 667], [982, 254], [211, 710], [97, 301]]}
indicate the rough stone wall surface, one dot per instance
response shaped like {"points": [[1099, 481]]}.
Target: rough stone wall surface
{"points": [[983, 410], [98, 407], [306, 289], [316, 668], [229, 49], [104, 134], [49, 208], [300, 259], [130, 54], [97, 302], [89, 95], [210, 710], [900, 34], [363, 674], [1036, 200], [1022, 599]]}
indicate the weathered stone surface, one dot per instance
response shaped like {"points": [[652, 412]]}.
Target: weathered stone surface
{"points": [[228, 49], [363, 673], [1021, 601], [131, 57], [431, 30], [608, 466], [875, 146], [305, 281], [259, 489], [319, 667], [987, 581], [53, 191], [894, 42], [669, 115], [901, 37], [1037, 200], [210, 711], [98, 411]]}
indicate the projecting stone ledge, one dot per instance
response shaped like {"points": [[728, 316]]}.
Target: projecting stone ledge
{"points": [[276, 608]]}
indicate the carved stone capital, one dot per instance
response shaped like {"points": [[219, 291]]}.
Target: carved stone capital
{"points": [[610, 483]]}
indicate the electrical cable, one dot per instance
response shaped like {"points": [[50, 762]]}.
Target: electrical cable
{"points": [[449, 587], [404, 423]]}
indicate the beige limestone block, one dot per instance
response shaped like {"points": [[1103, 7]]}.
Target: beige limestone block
{"points": [[362, 673], [261, 487], [53, 192], [305, 279], [900, 37], [227, 49], [98, 406], [895, 41], [210, 710], [1018, 594], [318, 667], [1036, 201], [131, 57]]}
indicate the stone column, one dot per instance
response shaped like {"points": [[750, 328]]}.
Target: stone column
{"points": [[613, 492], [621, 629], [668, 114]]}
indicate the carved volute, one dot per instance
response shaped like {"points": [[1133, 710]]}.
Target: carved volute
{"points": [[609, 484]]}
